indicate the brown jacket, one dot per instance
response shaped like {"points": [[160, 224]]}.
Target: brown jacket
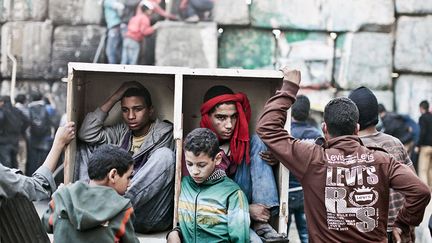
{"points": [[346, 185]]}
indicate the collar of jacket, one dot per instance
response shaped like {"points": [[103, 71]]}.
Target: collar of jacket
{"points": [[343, 142]]}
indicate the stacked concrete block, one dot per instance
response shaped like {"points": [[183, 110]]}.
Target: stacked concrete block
{"points": [[318, 98], [246, 48], [410, 90], [187, 45], [231, 12], [364, 58], [75, 12], [413, 51], [30, 44], [74, 44], [309, 52], [414, 6], [326, 15], [20, 10]]}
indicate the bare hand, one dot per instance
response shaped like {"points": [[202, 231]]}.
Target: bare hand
{"points": [[65, 134], [399, 236], [183, 4], [259, 212], [125, 86], [173, 237], [268, 157], [293, 76]]}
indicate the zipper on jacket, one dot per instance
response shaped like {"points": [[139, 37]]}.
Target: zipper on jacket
{"points": [[195, 218]]}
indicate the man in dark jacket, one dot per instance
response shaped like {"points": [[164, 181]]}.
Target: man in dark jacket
{"points": [[425, 143], [346, 185], [12, 126]]}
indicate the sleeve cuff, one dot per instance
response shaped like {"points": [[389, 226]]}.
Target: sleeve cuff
{"points": [[48, 175]]}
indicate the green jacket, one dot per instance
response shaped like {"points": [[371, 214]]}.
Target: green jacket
{"points": [[83, 213], [215, 211]]}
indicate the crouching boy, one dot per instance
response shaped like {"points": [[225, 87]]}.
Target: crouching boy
{"points": [[212, 207], [95, 212]]}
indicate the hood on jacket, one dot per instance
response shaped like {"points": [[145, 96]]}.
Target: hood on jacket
{"points": [[88, 206]]}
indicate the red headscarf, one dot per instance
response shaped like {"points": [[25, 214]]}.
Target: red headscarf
{"points": [[239, 144]]}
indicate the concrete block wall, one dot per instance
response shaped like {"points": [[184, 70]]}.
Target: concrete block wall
{"points": [[337, 44]]}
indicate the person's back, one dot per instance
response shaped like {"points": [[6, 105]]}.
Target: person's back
{"points": [[139, 26], [346, 184], [95, 212], [367, 105], [212, 207]]}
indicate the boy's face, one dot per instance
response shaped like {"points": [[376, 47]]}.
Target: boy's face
{"points": [[223, 120], [136, 114], [121, 183], [202, 166]]}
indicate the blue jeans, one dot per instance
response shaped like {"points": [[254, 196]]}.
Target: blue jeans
{"points": [[130, 52], [152, 192], [114, 45], [296, 208], [198, 7], [257, 179]]}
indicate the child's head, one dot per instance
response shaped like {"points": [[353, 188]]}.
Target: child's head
{"points": [[340, 118], [300, 109], [202, 153], [146, 7], [111, 166]]}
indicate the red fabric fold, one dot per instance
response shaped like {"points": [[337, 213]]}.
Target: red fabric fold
{"points": [[239, 144]]}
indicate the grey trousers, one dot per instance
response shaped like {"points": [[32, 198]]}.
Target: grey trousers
{"points": [[152, 192]]}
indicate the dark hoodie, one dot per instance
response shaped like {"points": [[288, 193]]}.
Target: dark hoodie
{"points": [[83, 213]]}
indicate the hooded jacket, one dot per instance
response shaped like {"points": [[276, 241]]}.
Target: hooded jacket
{"points": [[214, 211], [83, 213], [346, 185]]}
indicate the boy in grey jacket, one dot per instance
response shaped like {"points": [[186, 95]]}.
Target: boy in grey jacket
{"points": [[150, 141]]}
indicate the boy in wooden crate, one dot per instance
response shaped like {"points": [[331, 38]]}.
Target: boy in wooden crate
{"points": [[212, 207]]}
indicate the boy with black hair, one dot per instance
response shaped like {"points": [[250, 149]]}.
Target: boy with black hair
{"points": [[95, 212], [367, 105], [346, 185], [212, 207], [151, 143]]}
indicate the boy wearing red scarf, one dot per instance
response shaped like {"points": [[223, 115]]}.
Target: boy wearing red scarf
{"points": [[245, 157]]}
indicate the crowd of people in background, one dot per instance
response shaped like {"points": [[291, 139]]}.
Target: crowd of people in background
{"points": [[132, 24], [26, 131]]}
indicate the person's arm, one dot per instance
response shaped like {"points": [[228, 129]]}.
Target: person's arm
{"points": [[238, 217], [157, 9], [41, 184], [417, 195], [183, 4], [92, 129], [270, 128], [48, 217], [127, 234]]}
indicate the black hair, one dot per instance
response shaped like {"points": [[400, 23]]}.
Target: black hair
{"points": [[381, 108], [108, 157], [300, 109], [424, 105], [140, 92], [35, 96], [20, 98], [202, 140], [341, 117], [215, 91]]}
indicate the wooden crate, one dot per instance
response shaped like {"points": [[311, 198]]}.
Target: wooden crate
{"points": [[177, 95]]}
